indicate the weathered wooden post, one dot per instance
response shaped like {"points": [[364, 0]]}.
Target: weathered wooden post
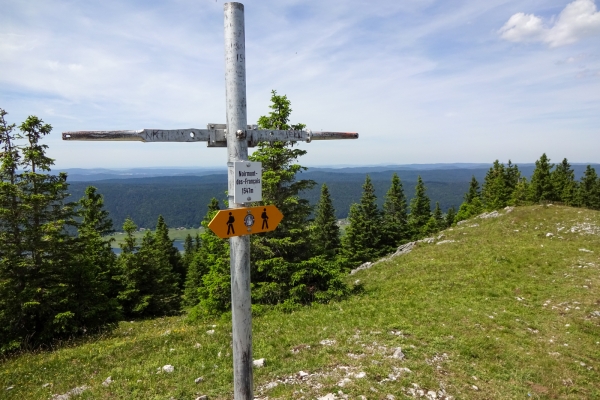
{"points": [[237, 136]]}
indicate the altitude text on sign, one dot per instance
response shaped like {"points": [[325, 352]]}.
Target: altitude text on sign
{"points": [[248, 182]]}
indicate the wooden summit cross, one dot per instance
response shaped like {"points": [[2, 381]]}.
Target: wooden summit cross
{"points": [[237, 136]]}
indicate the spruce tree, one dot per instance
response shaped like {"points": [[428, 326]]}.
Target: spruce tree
{"points": [[589, 189], [164, 245], [563, 183], [37, 252], [150, 288], [450, 216], [363, 239], [211, 277], [472, 205], [199, 263], [495, 193], [395, 216], [511, 178], [520, 196], [540, 187], [12, 277], [92, 275], [325, 231], [279, 258], [474, 191], [438, 217], [420, 210]]}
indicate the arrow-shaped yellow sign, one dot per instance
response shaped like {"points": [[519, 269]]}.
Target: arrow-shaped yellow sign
{"points": [[245, 221]]}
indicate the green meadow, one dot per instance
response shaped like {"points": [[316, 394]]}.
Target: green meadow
{"points": [[495, 308]]}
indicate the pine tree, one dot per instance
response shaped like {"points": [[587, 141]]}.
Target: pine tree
{"points": [[363, 239], [395, 216], [540, 187], [511, 178], [198, 265], [210, 272], [589, 189], [290, 241], [474, 192], [450, 216], [150, 287], [12, 277], [325, 231], [164, 245], [438, 217], [520, 196], [495, 193], [472, 204], [93, 287], [279, 258], [37, 253], [563, 183], [420, 210]]}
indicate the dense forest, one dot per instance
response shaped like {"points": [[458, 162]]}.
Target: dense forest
{"points": [[59, 277], [181, 200]]}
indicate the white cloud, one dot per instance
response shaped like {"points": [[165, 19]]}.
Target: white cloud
{"points": [[578, 20]]}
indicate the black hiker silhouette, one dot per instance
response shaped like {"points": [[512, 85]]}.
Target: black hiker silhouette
{"points": [[265, 219], [230, 222]]}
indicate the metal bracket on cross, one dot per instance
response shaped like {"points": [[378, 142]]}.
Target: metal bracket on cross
{"points": [[215, 135]]}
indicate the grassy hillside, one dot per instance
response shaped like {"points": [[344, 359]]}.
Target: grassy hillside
{"points": [[498, 308]]}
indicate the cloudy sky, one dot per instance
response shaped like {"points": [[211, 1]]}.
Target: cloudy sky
{"points": [[422, 81]]}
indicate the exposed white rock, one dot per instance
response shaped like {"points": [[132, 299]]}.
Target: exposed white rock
{"points": [[271, 385], [327, 342], [73, 392], [401, 250], [168, 368], [549, 234], [210, 332], [366, 265], [398, 354], [328, 396], [492, 214], [344, 382], [586, 250], [198, 380], [446, 241], [107, 381], [259, 363]]}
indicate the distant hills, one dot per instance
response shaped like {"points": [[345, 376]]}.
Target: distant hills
{"points": [[182, 194]]}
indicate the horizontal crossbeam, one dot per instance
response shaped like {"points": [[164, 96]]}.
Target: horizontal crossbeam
{"points": [[215, 136]]}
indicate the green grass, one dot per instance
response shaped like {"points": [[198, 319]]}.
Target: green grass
{"points": [[174, 234], [505, 308]]}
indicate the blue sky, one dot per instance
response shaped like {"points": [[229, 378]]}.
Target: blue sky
{"points": [[422, 81]]}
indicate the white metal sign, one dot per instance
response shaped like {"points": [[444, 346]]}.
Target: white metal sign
{"points": [[248, 182]]}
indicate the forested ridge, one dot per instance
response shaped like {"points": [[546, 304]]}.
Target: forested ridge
{"points": [[182, 199], [59, 277]]}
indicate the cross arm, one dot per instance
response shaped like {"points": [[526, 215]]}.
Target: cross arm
{"points": [[215, 135]]}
